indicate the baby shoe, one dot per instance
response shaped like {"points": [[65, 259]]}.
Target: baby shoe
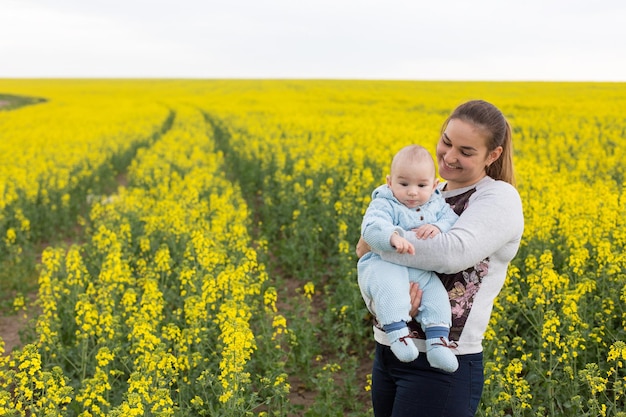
{"points": [[401, 345], [440, 355]]}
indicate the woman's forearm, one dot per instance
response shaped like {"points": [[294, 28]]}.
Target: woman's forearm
{"points": [[490, 222]]}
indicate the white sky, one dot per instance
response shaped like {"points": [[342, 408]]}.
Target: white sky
{"points": [[360, 39]]}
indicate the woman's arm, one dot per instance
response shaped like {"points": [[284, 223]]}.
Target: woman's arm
{"points": [[415, 293], [362, 247], [492, 219]]}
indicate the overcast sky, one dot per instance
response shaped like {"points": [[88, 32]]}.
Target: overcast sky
{"points": [[358, 39]]}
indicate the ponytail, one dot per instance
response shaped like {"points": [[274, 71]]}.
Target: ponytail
{"points": [[502, 168]]}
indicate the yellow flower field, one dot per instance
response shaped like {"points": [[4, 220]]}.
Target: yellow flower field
{"points": [[190, 244]]}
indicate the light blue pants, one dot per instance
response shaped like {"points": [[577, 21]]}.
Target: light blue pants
{"points": [[385, 289]]}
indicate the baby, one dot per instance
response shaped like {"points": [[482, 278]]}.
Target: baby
{"points": [[410, 200]]}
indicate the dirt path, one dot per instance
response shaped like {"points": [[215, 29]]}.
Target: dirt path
{"points": [[11, 325]]}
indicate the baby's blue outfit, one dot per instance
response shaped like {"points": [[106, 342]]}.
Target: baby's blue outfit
{"points": [[386, 285]]}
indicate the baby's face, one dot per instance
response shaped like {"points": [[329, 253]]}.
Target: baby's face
{"points": [[412, 184]]}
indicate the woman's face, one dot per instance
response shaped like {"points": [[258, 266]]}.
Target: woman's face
{"points": [[462, 154]]}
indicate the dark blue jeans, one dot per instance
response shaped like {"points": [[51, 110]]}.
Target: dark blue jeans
{"points": [[416, 389]]}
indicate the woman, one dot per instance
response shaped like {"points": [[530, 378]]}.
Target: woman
{"points": [[474, 155]]}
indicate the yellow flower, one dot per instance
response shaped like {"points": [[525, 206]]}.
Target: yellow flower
{"points": [[11, 236], [309, 290]]}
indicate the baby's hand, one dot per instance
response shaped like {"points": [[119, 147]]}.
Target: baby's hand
{"points": [[426, 231], [401, 244]]}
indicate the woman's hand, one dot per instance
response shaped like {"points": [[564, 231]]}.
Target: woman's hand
{"points": [[362, 248], [416, 298]]}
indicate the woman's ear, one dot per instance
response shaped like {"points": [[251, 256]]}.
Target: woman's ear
{"points": [[494, 155]]}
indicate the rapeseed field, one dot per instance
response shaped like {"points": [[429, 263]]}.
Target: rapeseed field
{"points": [[189, 244]]}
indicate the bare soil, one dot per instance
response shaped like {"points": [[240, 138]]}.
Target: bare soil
{"points": [[11, 325], [300, 395]]}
